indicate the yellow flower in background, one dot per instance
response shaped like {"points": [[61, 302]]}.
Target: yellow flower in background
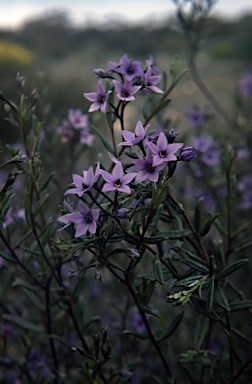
{"points": [[14, 52]]}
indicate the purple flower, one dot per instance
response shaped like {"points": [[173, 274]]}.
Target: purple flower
{"points": [[245, 86], [83, 184], [134, 138], [151, 81], [129, 69], [196, 117], [121, 213], [77, 119], [86, 137], [117, 181], [65, 131], [99, 99], [85, 219], [37, 363], [147, 170], [204, 143], [135, 322], [163, 151], [150, 63], [187, 154], [126, 90]]}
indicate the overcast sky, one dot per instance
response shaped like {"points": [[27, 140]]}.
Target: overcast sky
{"points": [[13, 13]]}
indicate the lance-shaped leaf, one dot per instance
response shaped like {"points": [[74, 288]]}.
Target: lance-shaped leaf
{"points": [[207, 226], [157, 269], [160, 106], [22, 323], [232, 268], [151, 311], [172, 327], [104, 142], [172, 235], [240, 305], [142, 336], [40, 204], [195, 265], [210, 296], [221, 299], [201, 331]]}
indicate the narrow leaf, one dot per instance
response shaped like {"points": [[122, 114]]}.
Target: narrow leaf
{"points": [[160, 106], [150, 310], [207, 226], [232, 268], [172, 327], [211, 294], [104, 142], [221, 299], [139, 335], [240, 305], [157, 269], [201, 331], [22, 323], [40, 203]]}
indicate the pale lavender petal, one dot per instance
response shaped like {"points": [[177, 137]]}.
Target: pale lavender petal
{"points": [[141, 176], [76, 217], [78, 180], [108, 187], [124, 188], [127, 178], [92, 227], [162, 142], [91, 96], [74, 191], [152, 147], [83, 208], [100, 88], [94, 107], [172, 148], [95, 214], [139, 131], [90, 178], [107, 176], [81, 229], [117, 172]]}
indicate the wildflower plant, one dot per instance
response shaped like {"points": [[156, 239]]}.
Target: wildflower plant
{"points": [[130, 278]]}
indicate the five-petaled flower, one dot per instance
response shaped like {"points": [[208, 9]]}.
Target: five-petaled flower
{"points": [[163, 152], [117, 181], [151, 81], [147, 170], [134, 138], [126, 90], [83, 184], [99, 99], [129, 68], [85, 219]]}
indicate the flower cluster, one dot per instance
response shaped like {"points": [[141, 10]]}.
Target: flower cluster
{"points": [[128, 78], [76, 125], [151, 159]]}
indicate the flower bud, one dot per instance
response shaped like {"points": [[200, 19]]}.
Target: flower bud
{"points": [[121, 213], [187, 154]]}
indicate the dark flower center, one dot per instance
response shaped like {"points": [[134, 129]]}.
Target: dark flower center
{"points": [[84, 186], [117, 183], [88, 219], [101, 99], [130, 71], [162, 154], [125, 93], [150, 168]]}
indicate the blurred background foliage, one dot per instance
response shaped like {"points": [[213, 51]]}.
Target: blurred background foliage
{"points": [[53, 52]]}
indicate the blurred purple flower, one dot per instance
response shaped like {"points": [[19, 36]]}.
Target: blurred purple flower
{"points": [[99, 99], [117, 181], [151, 81], [246, 202], [134, 138], [147, 170], [196, 117], [83, 184], [77, 119], [163, 152], [86, 137], [85, 218], [187, 154], [126, 90], [150, 63], [129, 68], [135, 322], [37, 364], [65, 131], [245, 85]]}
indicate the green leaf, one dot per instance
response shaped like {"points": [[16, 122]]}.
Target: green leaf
{"points": [[242, 247], [22, 323], [232, 268], [47, 181], [40, 203], [160, 106], [207, 226], [195, 265], [150, 310], [210, 297], [104, 142], [142, 336], [188, 280], [175, 68], [157, 269], [164, 80], [201, 331], [233, 346], [200, 306], [6, 203], [240, 305], [172, 327], [172, 235], [221, 299], [197, 215]]}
